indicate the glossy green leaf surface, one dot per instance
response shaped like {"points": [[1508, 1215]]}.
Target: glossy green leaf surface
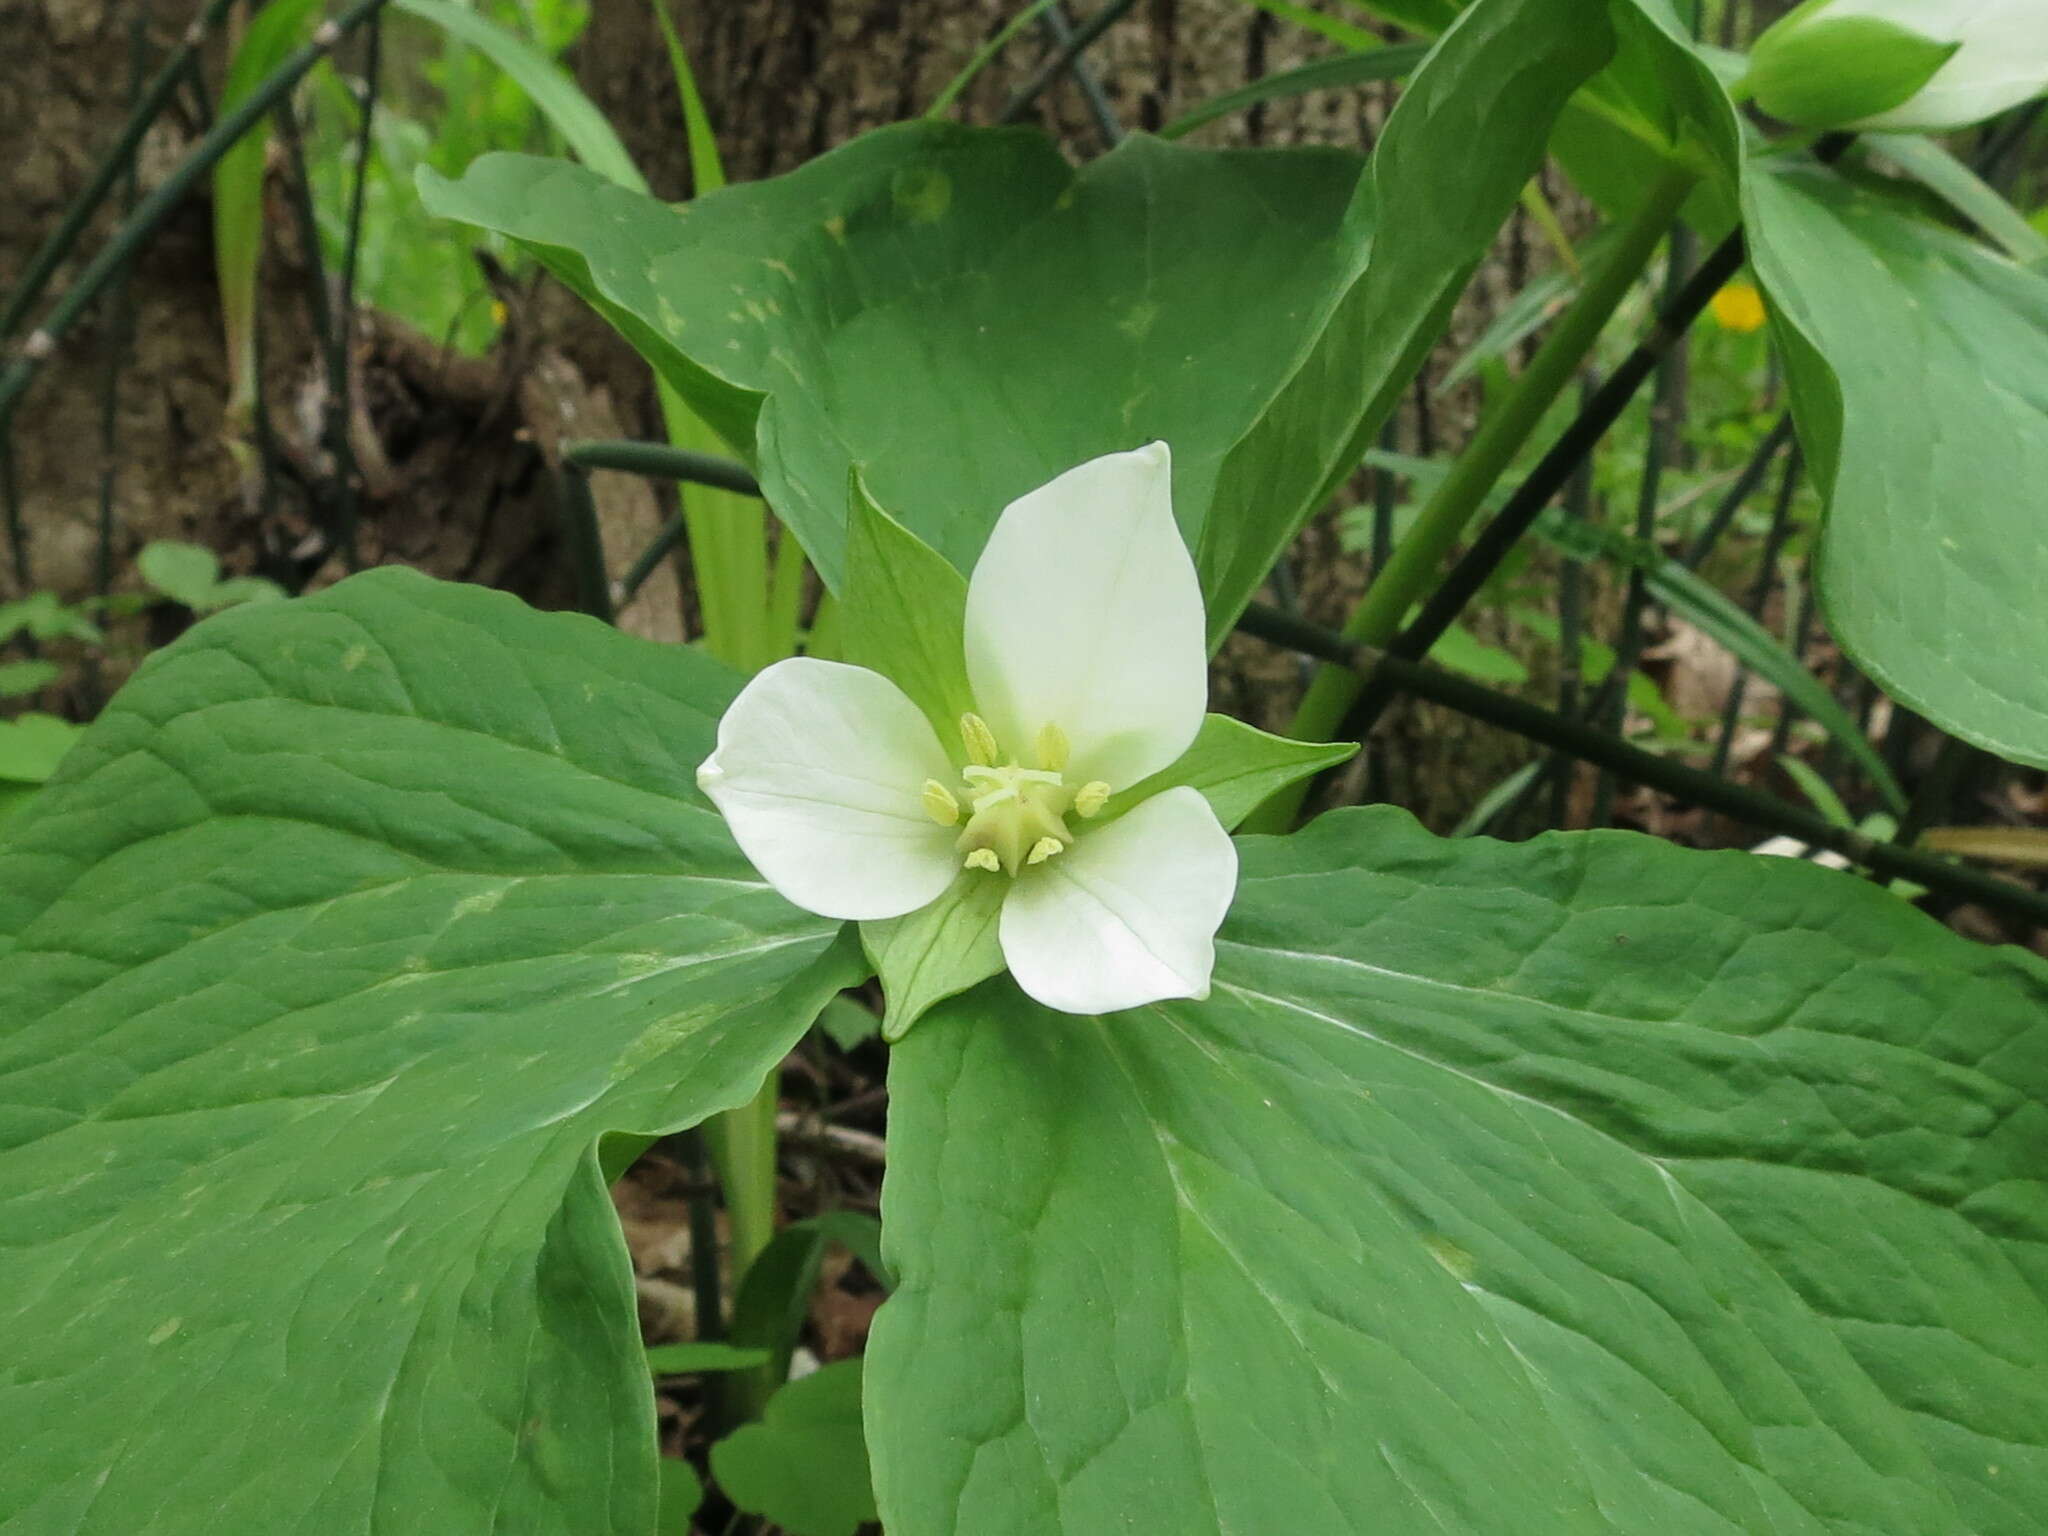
{"points": [[965, 316], [1581, 1186], [895, 302], [334, 947], [1919, 364]]}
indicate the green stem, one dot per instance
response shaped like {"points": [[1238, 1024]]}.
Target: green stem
{"points": [[1420, 556], [742, 1146]]}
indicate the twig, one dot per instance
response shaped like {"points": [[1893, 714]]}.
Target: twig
{"points": [[658, 549], [1745, 485], [1659, 449], [662, 462], [586, 541], [117, 159], [1759, 593], [806, 1129], [1546, 727], [1578, 440], [42, 342], [1060, 58]]}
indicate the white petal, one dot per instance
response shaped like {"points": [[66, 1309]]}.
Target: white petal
{"points": [[1128, 914], [819, 770], [2002, 62], [1084, 612]]}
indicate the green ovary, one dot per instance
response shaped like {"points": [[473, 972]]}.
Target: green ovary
{"points": [[1016, 816]]}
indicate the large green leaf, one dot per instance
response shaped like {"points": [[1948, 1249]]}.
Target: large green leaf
{"points": [[962, 315], [328, 957], [1919, 363], [1587, 1185], [954, 310]]}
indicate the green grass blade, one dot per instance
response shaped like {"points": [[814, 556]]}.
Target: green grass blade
{"points": [[707, 170], [983, 57], [238, 189], [560, 99], [1964, 190], [1389, 63]]}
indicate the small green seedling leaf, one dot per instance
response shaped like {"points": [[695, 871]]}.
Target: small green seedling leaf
{"points": [[186, 573], [32, 746], [680, 1493], [44, 616], [905, 608], [702, 1355], [19, 677], [1462, 651], [189, 574], [936, 952], [1236, 767], [805, 1465]]}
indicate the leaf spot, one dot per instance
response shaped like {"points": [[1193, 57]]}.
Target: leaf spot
{"points": [[169, 1326], [922, 195]]}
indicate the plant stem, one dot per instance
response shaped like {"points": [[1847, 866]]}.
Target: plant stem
{"points": [[983, 56], [1521, 510], [1750, 806], [660, 461], [1416, 561], [1067, 53], [1661, 447], [580, 529], [742, 1146]]}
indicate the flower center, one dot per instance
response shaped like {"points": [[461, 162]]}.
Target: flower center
{"points": [[1016, 816]]}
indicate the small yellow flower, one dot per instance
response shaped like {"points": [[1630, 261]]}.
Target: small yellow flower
{"points": [[1739, 308]]}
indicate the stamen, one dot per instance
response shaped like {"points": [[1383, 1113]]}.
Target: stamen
{"points": [[979, 740], [1053, 748], [1091, 798], [983, 858], [939, 803], [1044, 849]]}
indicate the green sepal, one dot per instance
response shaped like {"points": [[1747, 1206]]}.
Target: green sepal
{"points": [[926, 956], [1236, 767], [1821, 71], [904, 611]]}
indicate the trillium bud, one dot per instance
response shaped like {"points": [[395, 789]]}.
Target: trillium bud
{"points": [[1901, 65]]}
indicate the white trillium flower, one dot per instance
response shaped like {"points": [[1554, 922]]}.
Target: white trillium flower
{"points": [[1089, 672]]}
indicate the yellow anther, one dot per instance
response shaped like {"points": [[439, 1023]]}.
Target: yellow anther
{"points": [[939, 803], [1043, 849], [1052, 748], [983, 858], [979, 740], [1091, 798]]}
